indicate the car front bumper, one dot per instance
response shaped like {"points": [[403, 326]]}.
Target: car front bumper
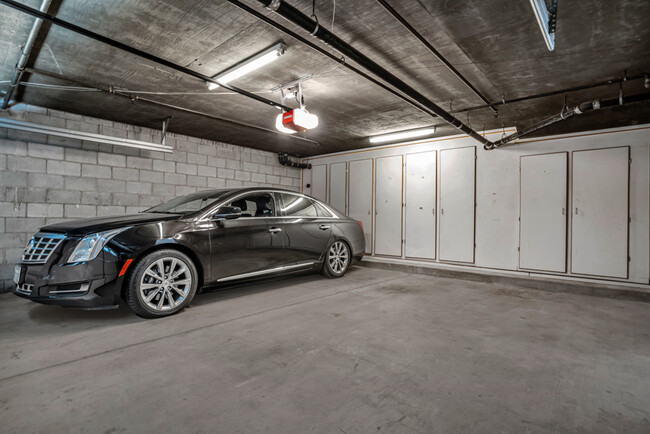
{"points": [[94, 284]]}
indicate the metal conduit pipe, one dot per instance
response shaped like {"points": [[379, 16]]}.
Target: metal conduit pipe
{"points": [[24, 57], [437, 54], [132, 50], [166, 105], [286, 160], [340, 60], [301, 20], [554, 92], [566, 114]]}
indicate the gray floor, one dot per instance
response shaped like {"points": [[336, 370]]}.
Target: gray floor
{"points": [[376, 351]]}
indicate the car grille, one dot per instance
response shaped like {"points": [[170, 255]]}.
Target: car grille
{"points": [[41, 247], [25, 288]]}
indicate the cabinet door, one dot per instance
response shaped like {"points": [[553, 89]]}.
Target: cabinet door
{"points": [[388, 206], [360, 197], [421, 177], [338, 186], [542, 231], [599, 236], [319, 182], [457, 204]]}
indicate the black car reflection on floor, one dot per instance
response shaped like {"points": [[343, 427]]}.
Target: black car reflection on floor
{"points": [[159, 259]]}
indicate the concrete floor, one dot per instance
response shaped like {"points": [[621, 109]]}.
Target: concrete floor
{"points": [[376, 351]]}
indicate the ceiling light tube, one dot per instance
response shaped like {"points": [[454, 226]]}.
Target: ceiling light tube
{"points": [[393, 137], [546, 20], [244, 67]]}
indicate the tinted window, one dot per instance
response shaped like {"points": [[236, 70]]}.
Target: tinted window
{"points": [[255, 205], [191, 203], [322, 211], [299, 206]]}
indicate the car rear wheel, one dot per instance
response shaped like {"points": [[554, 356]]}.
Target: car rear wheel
{"points": [[337, 260], [162, 284]]}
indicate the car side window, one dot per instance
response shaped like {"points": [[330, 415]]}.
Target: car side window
{"points": [[322, 211], [297, 206], [255, 205]]}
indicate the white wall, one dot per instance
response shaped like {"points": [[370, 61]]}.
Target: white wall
{"points": [[498, 187]]}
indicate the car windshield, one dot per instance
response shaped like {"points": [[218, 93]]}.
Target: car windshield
{"points": [[189, 204]]}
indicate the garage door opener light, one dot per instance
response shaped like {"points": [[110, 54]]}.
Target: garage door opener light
{"points": [[296, 120], [394, 137], [249, 65]]}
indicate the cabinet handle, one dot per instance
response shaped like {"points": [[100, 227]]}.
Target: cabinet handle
{"points": [[442, 211], [576, 211], [562, 210]]}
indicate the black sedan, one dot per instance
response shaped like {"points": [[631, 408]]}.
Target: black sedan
{"points": [[159, 259]]}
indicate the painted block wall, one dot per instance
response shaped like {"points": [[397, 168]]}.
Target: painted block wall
{"points": [[45, 179], [498, 185]]}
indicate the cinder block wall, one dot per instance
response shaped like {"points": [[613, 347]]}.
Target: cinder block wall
{"points": [[45, 179]]}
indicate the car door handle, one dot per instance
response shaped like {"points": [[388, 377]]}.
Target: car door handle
{"points": [[324, 227], [275, 230]]}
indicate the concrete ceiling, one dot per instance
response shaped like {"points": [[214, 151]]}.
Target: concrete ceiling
{"points": [[496, 44]]}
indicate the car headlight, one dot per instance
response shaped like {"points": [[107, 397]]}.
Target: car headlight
{"points": [[90, 245]]}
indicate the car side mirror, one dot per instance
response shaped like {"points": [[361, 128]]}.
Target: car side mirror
{"points": [[227, 213]]}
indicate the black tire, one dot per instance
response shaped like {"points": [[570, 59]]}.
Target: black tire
{"points": [[337, 260], [170, 291]]}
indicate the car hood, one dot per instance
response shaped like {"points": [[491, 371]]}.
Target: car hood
{"points": [[99, 224]]}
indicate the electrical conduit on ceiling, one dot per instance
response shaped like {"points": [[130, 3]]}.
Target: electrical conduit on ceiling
{"points": [[26, 51]]}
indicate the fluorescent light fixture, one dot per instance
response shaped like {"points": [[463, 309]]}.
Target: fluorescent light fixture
{"points": [[393, 137], [249, 65], [546, 19]]}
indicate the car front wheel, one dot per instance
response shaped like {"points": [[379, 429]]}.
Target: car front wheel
{"points": [[337, 260], [161, 284]]}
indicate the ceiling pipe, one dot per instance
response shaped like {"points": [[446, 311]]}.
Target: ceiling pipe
{"points": [[437, 54], [164, 104], [24, 57], [566, 114], [339, 60], [132, 50], [301, 20], [556, 92], [286, 160]]}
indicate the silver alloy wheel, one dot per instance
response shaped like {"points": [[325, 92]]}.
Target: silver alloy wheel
{"points": [[338, 257], [165, 284]]}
